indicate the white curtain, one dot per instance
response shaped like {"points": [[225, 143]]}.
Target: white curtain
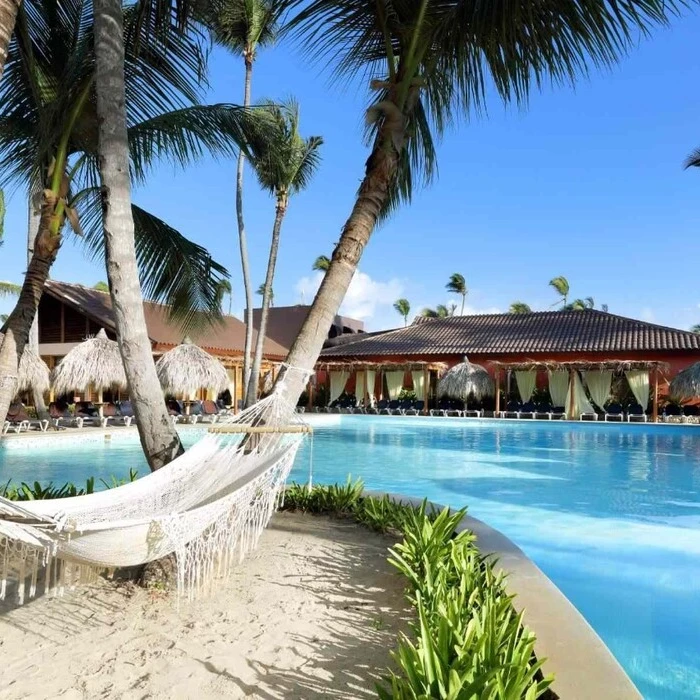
{"points": [[359, 388], [598, 383], [394, 383], [559, 388], [418, 384], [338, 381], [371, 375], [581, 402], [639, 383], [526, 384]]}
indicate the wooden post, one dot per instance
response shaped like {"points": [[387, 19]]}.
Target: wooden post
{"points": [[365, 398], [238, 386], [655, 409], [426, 389], [310, 396], [572, 398], [381, 384], [497, 379]]}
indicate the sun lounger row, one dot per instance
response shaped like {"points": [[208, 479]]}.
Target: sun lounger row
{"points": [[18, 420], [616, 412]]}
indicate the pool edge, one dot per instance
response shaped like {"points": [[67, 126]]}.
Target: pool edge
{"points": [[583, 665]]}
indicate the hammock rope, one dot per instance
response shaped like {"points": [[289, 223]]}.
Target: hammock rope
{"points": [[209, 507]]}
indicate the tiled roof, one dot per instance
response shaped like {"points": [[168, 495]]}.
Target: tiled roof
{"points": [[522, 334], [227, 338]]}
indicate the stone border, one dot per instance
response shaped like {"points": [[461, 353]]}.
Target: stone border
{"points": [[584, 667]]}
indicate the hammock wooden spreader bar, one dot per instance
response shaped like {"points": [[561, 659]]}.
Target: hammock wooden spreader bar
{"points": [[241, 428]]}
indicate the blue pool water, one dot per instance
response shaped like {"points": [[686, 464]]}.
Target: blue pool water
{"points": [[611, 513]]}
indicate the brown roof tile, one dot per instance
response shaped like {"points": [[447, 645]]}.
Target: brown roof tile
{"points": [[528, 334], [227, 338]]}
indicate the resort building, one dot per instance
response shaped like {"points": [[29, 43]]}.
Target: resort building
{"points": [[538, 343], [68, 313]]}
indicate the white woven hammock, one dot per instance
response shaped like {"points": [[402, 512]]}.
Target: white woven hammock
{"points": [[209, 506]]}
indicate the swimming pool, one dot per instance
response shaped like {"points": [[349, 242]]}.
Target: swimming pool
{"points": [[611, 513]]}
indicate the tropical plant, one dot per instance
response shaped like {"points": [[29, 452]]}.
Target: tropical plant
{"points": [[9, 289], [101, 286], [242, 27], [224, 288], [284, 164], [260, 291], [431, 63], [322, 263], [440, 311], [695, 328], [561, 286], [457, 285], [48, 136], [403, 308], [519, 307], [580, 304]]}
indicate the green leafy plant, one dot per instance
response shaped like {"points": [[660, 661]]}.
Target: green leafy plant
{"points": [[39, 492]]}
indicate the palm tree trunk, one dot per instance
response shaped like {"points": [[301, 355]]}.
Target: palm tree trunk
{"points": [[33, 220], [18, 325], [8, 17], [159, 438], [380, 171], [280, 211], [245, 267]]}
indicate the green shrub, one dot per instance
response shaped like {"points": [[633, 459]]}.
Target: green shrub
{"points": [[39, 492]]}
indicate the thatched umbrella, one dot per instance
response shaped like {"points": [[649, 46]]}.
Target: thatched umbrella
{"points": [[33, 373], [686, 384], [465, 380], [96, 362], [187, 368]]}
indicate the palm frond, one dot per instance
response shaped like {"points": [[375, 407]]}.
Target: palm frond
{"points": [[9, 289], [693, 160], [242, 25], [173, 269]]}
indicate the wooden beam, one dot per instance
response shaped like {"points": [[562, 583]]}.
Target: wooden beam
{"points": [[655, 407], [497, 380], [365, 398], [572, 398], [426, 389]]}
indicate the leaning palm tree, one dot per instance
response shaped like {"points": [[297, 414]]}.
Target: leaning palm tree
{"points": [[457, 285], [403, 308], [695, 328], [519, 307], [580, 304], [48, 134], [561, 286], [433, 62], [260, 291], [284, 164], [242, 27], [321, 264], [440, 311]]}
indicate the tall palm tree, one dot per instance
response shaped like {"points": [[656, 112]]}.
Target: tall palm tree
{"points": [[433, 62], [322, 263], [260, 291], [48, 135], [457, 285], [284, 164], [224, 288], [403, 308], [440, 311], [561, 286], [519, 307], [580, 304], [695, 328], [8, 17], [242, 27]]}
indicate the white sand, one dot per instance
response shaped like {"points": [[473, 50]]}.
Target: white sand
{"points": [[313, 613]]}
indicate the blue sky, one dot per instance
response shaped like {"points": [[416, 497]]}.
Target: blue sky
{"points": [[586, 183]]}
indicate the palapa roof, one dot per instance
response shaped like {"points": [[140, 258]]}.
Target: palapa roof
{"points": [[686, 384], [521, 334], [96, 362], [466, 379], [187, 368], [33, 372], [227, 338]]}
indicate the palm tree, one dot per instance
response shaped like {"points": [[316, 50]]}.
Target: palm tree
{"points": [[695, 328], [241, 27], [261, 292], [458, 285], [284, 164], [403, 308], [101, 286], [440, 311], [9, 289], [519, 307], [580, 304], [48, 135], [322, 263], [8, 17], [432, 63], [561, 287], [222, 289]]}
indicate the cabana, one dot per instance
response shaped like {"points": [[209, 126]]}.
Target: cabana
{"points": [[566, 387], [368, 374]]}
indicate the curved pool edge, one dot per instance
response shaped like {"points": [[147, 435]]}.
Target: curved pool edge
{"points": [[583, 665]]}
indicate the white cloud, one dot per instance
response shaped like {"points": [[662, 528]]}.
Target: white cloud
{"points": [[365, 298]]}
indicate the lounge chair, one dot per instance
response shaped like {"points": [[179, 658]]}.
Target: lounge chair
{"points": [[476, 412], [116, 413], [376, 410], [673, 413], [454, 408], [19, 419], [404, 406], [441, 408], [691, 414], [589, 415], [390, 408], [89, 414], [209, 411], [556, 412], [512, 410], [59, 413], [637, 413], [613, 412], [416, 409], [528, 410]]}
